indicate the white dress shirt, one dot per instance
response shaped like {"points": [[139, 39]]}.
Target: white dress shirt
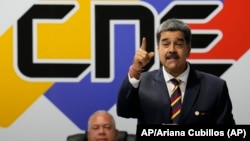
{"points": [[183, 77]]}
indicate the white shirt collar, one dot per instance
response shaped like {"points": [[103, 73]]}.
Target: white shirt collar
{"points": [[183, 76]]}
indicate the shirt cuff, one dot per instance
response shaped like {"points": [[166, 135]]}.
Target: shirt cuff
{"points": [[134, 82]]}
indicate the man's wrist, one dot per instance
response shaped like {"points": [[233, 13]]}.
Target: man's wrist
{"points": [[134, 73]]}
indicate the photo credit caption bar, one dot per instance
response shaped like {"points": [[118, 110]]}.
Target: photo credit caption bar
{"points": [[162, 132]]}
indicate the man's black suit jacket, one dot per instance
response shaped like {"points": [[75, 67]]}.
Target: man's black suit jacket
{"points": [[206, 100]]}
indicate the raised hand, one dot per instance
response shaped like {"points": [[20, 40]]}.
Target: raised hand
{"points": [[141, 59]]}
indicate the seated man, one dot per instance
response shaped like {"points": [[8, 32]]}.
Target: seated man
{"points": [[101, 126]]}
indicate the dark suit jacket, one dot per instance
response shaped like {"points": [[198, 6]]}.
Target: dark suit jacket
{"points": [[206, 100]]}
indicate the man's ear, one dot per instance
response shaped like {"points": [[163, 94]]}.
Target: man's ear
{"points": [[86, 135], [189, 50], [116, 133]]}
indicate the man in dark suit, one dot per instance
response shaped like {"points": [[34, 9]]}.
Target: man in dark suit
{"points": [[146, 96]]}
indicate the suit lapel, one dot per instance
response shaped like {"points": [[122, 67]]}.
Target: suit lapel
{"points": [[161, 88], [191, 93]]}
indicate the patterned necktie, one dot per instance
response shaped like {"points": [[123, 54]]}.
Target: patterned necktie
{"points": [[175, 101]]}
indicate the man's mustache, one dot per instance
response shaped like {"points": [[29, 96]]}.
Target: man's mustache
{"points": [[172, 55]]}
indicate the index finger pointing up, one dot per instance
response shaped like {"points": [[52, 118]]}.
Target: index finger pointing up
{"points": [[143, 44]]}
